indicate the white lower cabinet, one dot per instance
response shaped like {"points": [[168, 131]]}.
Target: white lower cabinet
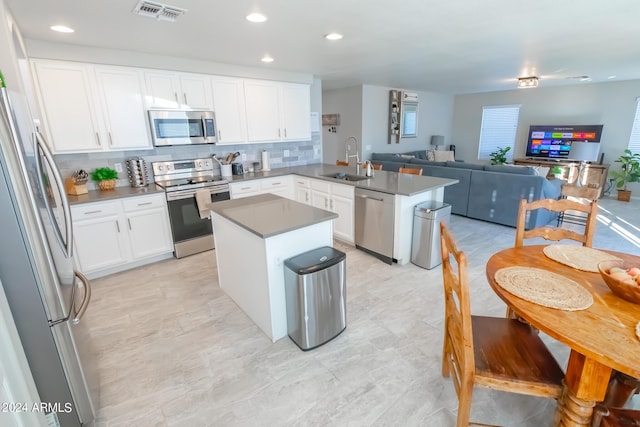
{"points": [[302, 189], [278, 185], [342, 203], [321, 194], [337, 198], [121, 232]]}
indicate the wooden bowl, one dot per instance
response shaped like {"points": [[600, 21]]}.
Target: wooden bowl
{"points": [[627, 291]]}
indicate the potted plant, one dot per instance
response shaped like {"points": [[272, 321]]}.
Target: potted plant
{"points": [[105, 177], [557, 172], [499, 157], [629, 172]]}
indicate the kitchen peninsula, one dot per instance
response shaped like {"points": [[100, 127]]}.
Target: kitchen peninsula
{"points": [[253, 236]]}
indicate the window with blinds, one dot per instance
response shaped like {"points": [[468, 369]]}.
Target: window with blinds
{"points": [[498, 130], [634, 140]]}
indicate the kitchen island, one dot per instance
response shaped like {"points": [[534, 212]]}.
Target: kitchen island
{"points": [[253, 236]]}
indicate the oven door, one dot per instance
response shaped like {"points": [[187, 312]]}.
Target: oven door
{"points": [[186, 223], [182, 127]]}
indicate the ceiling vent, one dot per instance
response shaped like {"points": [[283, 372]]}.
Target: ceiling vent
{"points": [[158, 11]]}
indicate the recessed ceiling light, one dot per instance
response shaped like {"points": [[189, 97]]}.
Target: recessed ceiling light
{"points": [[256, 17], [62, 29], [267, 59], [612, 77], [333, 36]]}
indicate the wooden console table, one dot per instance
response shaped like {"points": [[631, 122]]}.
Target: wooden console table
{"points": [[594, 175]]}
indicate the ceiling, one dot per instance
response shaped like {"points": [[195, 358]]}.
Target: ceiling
{"points": [[454, 46]]}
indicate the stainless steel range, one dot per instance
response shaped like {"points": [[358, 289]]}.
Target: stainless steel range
{"points": [[181, 179]]}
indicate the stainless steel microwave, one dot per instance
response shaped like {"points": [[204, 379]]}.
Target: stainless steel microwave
{"points": [[180, 127]]}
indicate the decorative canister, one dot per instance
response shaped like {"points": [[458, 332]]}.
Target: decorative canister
{"points": [[137, 172]]}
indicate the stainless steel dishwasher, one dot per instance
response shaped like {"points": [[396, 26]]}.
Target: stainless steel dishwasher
{"points": [[374, 213]]}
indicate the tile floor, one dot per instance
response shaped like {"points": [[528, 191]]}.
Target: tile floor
{"points": [[174, 350]]}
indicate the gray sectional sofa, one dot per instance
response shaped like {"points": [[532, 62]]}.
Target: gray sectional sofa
{"points": [[489, 193]]}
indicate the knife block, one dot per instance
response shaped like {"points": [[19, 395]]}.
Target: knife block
{"points": [[74, 189]]}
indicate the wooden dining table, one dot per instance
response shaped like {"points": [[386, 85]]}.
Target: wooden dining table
{"points": [[601, 337]]}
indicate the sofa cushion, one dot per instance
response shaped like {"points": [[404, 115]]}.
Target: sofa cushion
{"points": [[390, 166], [418, 154], [443, 156], [463, 165], [390, 157], [427, 162], [519, 170]]}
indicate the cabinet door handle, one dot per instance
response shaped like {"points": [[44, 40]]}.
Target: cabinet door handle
{"points": [[184, 95], [145, 203], [276, 183], [279, 133], [118, 225], [219, 134], [285, 132], [306, 197], [246, 188], [92, 212], [129, 222], [331, 204], [326, 203], [98, 139], [110, 139], [175, 94]]}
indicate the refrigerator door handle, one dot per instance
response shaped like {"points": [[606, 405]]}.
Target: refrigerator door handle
{"points": [[67, 245], [77, 314]]}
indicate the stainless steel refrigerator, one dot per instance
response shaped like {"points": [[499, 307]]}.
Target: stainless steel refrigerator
{"points": [[47, 295]]}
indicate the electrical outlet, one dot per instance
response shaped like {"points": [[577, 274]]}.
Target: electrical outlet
{"points": [[285, 153], [243, 156], [118, 167]]}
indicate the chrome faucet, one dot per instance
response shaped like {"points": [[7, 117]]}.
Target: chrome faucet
{"points": [[347, 156]]}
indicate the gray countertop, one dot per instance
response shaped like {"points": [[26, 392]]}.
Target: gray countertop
{"points": [[116, 193], [268, 215], [386, 182]]}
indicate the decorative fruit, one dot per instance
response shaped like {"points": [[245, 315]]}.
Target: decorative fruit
{"points": [[630, 276]]}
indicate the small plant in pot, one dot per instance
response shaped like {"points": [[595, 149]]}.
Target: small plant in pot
{"points": [[499, 157], [105, 177], [629, 172]]}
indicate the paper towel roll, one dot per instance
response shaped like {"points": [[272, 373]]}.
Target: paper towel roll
{"points": [[265, 161]]}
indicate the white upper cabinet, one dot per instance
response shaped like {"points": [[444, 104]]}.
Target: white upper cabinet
{"points": [[296, 112], [277, 111], [91, 108], [263, 115], [228, 106], [167, 89], [67, 106], [123, 108]]}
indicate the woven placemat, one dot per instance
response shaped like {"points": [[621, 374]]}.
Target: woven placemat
{"points": [[578, 257], [544, 288]]}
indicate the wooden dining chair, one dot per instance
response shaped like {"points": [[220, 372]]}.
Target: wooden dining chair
{"points": [[555, 233], [615, 417], [412, 171], [341, 163], [376, 167], [498, 353]]}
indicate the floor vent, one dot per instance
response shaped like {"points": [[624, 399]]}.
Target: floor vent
{"points": [[158, 11]]}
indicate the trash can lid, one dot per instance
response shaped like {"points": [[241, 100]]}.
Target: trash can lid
{"points": [[314, 260], [431, 205]]}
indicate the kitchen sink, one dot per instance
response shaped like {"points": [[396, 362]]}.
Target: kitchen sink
{"points": [[346, 177]]}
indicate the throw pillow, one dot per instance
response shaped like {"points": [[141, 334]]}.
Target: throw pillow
{"points": [[443, 156], [406, 156], [430, 156]]}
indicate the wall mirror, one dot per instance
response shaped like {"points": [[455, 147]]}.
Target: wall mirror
{"points": [[409, 120]]}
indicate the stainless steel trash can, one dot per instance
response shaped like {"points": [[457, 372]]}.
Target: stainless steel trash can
{"points": [[425, 246], [315, 287]]}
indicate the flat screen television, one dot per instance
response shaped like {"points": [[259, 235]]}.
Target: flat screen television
{"points": [[555, 141]]}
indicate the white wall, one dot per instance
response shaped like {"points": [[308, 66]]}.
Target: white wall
{"points": [[364, 113], [611, 104], [348, 103]]}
